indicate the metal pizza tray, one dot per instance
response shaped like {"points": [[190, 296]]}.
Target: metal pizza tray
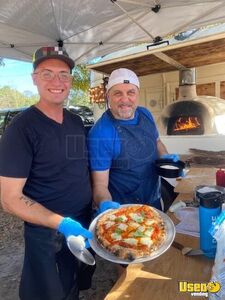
{"points": [[104, 253]]}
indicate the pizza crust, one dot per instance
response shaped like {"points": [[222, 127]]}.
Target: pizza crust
{"points": [[131, 232]]}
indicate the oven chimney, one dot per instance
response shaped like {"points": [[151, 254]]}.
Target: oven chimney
{"points": [[187, 84]]}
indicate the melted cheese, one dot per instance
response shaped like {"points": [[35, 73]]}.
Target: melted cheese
{"points": [[108, 224], [136, 217], [116, 236], [149, 232], [146, 241], [133, 224], [150, 222], [141, 228], [122, 226], [122, 218], [112, 217], [130, 241]]}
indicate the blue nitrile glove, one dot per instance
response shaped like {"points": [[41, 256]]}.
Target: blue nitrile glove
{"points": [[174, 157], [107, 204], [69, 227]]}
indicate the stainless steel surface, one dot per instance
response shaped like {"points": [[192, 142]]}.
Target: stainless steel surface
{"points": [[104, 253], [76, 245], [187, 76]]}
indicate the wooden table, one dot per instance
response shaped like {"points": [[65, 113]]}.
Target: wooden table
{"points": [[159, 279], [195, 177]]}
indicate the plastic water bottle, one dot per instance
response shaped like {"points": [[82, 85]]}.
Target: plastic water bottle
{"points": [[209, 209]]}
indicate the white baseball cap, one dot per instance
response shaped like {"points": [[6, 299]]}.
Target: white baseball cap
{"points": [[122, 75]]}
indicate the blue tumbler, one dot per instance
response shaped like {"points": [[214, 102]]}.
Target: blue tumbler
{"points": [[209, 209]]}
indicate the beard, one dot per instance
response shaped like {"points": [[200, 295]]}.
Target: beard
{"points": [[126, 114]]}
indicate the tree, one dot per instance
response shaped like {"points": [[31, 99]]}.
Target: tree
{"points": [[80, 87], [11, 98], [81, 78]]}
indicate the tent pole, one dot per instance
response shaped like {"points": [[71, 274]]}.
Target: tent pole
{"points": [[132, 19]]}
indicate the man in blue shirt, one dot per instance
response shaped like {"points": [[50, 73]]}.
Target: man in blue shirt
{"points": [[123, 146]]}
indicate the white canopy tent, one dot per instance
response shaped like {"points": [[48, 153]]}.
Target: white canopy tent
{"points": [[92, 28]]}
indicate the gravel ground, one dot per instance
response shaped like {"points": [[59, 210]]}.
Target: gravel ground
{"points": [[11, 257]]}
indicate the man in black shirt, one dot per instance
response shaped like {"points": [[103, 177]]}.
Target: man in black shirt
{"points": [[45, 182]]}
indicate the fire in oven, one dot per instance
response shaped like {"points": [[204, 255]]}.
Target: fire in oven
{"points": [[185, 125]]}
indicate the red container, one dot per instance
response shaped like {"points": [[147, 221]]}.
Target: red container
{"points": [[220, 177]]}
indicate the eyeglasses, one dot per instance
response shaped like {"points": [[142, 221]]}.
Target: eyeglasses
{"points": [[48, 75]]}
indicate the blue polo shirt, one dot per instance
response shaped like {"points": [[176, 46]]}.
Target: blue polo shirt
{"points": [[103, 139]]}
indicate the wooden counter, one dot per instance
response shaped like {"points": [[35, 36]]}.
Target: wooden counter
{"points": [[195, 177], [159, 279]]}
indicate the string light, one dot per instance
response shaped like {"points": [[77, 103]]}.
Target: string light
{"points": [[97, 94]]}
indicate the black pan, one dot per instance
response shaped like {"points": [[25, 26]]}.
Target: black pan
{"points": [[168, 168]]}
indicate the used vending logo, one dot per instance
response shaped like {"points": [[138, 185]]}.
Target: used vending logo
{"points": [[199, 289]]}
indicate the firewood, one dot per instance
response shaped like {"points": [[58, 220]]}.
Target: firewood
{"points": [[207, 153], [212, 161]]}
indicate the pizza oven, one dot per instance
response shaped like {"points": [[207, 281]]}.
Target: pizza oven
{"points": [[189, 117], [191, 114]]}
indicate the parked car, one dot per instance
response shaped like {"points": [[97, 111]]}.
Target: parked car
{"points": [[6, 116], [84, 112]]}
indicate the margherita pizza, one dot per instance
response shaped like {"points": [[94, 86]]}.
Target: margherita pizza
{"points": [[131, 232]]}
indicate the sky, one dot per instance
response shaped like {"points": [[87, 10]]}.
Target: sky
{"points": [[17, 74]]}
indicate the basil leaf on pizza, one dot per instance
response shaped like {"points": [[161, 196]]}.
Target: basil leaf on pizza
{"points": [[131, 232]]}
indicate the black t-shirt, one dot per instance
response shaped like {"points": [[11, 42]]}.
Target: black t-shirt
{"points": [[53, 158]]}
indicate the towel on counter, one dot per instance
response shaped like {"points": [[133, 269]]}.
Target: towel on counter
{"points": [[189, 221]]}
